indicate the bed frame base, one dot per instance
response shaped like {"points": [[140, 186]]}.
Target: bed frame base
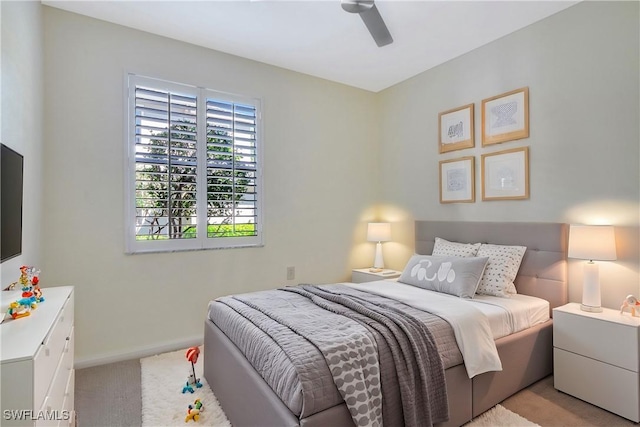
{"points": [[249, 401]]}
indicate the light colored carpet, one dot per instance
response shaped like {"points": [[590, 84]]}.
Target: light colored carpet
{"points": [[109, 395], [499, 416], [163, 403]]}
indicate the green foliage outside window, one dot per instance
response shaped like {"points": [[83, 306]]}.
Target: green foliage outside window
{"points": [[166, 185]]}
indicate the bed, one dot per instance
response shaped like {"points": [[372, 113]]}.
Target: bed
{"points": [[526, 356]]}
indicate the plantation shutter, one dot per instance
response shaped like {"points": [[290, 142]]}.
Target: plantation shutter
{"points": [[232, 207], [194, 176], [165, 164]]}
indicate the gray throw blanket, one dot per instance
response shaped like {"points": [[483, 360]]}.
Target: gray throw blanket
{"points": [[406, 365]]}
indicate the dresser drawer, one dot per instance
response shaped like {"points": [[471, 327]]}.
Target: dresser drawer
{"points": [[68, 407], [609, 387], [54, 400], [50, 352], [609, 342]]}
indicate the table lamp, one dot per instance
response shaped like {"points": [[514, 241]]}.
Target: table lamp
{"points": [[592, 242], [378, 232]]}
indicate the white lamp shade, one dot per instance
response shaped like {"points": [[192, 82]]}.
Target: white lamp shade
{"points": [[379, 232], [592, 242]]}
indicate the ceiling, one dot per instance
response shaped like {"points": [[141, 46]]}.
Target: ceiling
{"points": [[321, 39]]}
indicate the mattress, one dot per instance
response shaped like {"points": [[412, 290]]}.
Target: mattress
{"points": [[514, 314], [272, 363], [506, 315]]}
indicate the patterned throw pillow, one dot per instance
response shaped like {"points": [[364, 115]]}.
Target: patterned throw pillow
{"points": [[450, 275], [501, 271], [446, 248]]}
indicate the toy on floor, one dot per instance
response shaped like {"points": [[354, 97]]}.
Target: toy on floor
{"points": [[191, 382], [632, 304], [193, 412], [192, 356]]}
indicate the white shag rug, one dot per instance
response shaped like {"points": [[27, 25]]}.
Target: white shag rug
{"points": [[499, 416], [164, 404]]}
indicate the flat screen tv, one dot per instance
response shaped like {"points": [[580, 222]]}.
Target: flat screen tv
{"points": [[11, 174]]}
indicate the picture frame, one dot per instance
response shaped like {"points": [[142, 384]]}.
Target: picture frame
{"points": [[505, 174], [457, 180], [505, 117], [456, 129]]}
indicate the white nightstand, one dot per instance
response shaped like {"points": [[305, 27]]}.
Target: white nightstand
{"points": [[596, 358], [361, 275]]}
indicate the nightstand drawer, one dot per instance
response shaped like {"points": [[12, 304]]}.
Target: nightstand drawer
{"points": [[596, 338], [609, 387]]}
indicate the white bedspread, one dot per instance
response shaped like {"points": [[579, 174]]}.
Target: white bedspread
{"points": [[470, 325]]}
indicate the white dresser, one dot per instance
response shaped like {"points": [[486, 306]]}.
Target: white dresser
{"points": [[596, 358], [37, 364]]}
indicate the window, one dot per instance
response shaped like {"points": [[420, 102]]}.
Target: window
{"points": [[194, 169]]}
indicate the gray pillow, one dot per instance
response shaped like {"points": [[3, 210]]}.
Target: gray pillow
{"points": [[449, 275]]}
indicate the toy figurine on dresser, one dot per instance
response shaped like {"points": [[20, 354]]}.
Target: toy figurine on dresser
{"points": [[631, 303], [31, 293]]}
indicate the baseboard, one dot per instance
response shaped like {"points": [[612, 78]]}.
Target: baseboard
{"points": [[137, 353]]}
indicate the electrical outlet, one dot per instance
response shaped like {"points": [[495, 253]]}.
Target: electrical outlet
{"points": [[291, 273]]}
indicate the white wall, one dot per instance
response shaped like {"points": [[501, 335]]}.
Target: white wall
{"points": [[21, 106], [332, 153], [320, 154], [581, 67]]}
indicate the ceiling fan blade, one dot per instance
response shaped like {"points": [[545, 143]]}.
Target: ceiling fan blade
{"points": [[376, 26], [356, 6]]}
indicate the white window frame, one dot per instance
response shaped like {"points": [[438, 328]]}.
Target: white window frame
{"points": [[201, 241]]}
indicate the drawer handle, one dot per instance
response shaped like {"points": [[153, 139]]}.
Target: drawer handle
{"points": [[46, 351], [66, 345]]}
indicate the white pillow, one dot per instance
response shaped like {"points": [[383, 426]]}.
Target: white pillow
{"points": [[501, 271], [450, 275], [444, 247]]}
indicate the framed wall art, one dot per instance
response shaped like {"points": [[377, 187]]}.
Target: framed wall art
{"points": [[505, 117], [457, 180], [455, 129], [505, 174]]}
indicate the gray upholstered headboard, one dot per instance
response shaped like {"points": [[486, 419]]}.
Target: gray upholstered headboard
{"points": [[543, 272]]}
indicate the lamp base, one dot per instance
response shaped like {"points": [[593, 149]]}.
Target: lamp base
{"points": [[591, 288], [378, 262], [590, 308]]}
